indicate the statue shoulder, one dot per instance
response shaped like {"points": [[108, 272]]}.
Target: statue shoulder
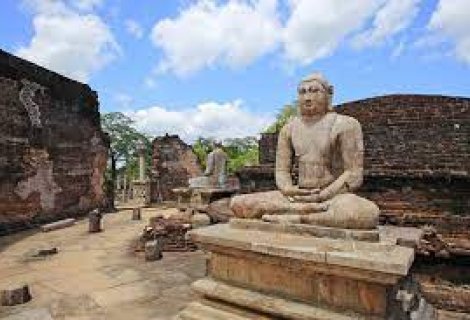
{"points": [[286, 129], [346, 123]]}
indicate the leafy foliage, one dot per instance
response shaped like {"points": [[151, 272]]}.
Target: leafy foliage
{"points": [[240, 151], [202, 147], [124, 138], [282, 118]]}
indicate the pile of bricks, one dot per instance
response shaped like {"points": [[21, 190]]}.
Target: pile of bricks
{"points": [[172, 232]]}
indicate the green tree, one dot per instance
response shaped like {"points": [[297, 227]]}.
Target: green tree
{"points": [[282, 118], [124, 137], [240, 151], [202, 147]]}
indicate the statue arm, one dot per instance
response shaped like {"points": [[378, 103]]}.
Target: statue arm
{"points": [[210, 164], [284, 159], [350, 142]]}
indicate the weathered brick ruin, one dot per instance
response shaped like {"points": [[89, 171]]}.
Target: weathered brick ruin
{"points": [[417, 152], [173, 163], [53, 152]]}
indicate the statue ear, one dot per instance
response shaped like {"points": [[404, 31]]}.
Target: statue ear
{"points": [[331, 89]]}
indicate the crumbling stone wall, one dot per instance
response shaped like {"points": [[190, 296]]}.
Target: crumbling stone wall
{"points": [[173, 163], [267, 148], [417, 158], [52, 151]]}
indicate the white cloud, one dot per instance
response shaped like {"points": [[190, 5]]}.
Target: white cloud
{"points": [[209, 119], [393, 17], [68, 42], [134, 28], [236, 33], [315, 28], [86, 5], [233, 34], [452, 19]]}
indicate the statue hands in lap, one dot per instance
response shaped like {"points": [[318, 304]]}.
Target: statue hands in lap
{"points": [[329, 151]]}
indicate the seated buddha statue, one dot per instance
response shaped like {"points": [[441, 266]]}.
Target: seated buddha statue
{"points": [[215, 175], [328, 148]]}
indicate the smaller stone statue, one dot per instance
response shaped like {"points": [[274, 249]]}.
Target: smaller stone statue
{"points": [[215, 175]]}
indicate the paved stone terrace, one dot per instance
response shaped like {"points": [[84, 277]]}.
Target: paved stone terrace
{"points": [[97, 276]]}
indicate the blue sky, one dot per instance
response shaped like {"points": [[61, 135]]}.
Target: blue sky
{"points": [[224, 68]]}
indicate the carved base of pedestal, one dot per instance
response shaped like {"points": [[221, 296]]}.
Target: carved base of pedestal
{"points": [[200, 198], [296, 275], [225, 301]]}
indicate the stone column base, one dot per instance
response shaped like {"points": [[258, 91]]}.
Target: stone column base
{"points": [[141, 192]]}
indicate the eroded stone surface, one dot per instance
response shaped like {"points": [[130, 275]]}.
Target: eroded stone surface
{"points": [[173, 163], [380, 257], [54, 152]]}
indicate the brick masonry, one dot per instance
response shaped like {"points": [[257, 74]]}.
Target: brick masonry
{"points": [[53, 152], [173, 163]]}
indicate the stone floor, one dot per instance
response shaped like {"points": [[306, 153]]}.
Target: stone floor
{"points": [[97, 276]]}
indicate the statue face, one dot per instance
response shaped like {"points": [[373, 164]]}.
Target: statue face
{"points": [[313, 98]]}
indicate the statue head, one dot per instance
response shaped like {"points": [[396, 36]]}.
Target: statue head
{"points": [[315, 95], [217, 144]]}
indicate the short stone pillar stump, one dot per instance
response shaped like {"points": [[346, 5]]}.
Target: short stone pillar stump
{"points": [[153, 250], [136, 214], [94, 221], [15, 294]]}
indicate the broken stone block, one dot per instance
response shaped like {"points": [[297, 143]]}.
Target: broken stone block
{"points": [[15, 294], [94, 221], [46, 252], [153, 250], [136, 214], [200, 220], [58, 225]]}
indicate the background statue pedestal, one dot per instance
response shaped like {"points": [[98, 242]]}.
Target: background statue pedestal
{"points": [[262, 273], [199, 198]]}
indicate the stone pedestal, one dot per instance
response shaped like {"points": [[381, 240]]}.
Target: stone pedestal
{"points": [[141, 192], [200, 198], [258, 271]]}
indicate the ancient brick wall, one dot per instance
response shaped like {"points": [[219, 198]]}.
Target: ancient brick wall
{"points": [[417, 158], [267, 148], [414, 135], [173, 163], [52, 151]]}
